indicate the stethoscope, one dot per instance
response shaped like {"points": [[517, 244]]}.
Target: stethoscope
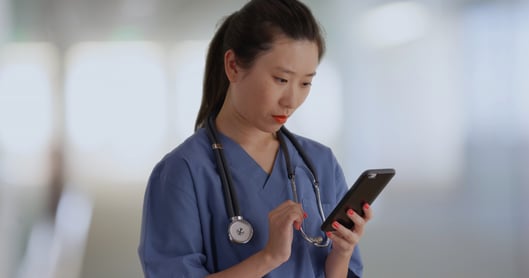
{"points": [[240, 230]]}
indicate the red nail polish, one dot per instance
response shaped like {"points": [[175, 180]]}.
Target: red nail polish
{"points": [[335, 225], [297, 226], [329, 234], [366, 206], [350, 212], [305, 215]]}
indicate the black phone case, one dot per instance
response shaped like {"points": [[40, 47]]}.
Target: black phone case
{"points": [[365, 190]]}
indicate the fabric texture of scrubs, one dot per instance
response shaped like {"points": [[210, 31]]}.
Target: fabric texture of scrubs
{"points": [[185, 221]]}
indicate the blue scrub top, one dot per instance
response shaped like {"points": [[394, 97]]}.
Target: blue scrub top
{"points": [[185, 221]]}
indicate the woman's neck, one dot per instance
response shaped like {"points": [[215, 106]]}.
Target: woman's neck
{"points": [[241, 131], [261, 146]]}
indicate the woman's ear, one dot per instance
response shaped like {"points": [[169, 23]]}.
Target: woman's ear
{"points": [[230, 66]]}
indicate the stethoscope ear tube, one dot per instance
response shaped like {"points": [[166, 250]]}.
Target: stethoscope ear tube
{"points": [[301, 152], [316, 241], [230, 197]]}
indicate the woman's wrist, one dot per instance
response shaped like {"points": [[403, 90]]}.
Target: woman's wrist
{"points": [[268, 259], [337, 264], [341, 254]]}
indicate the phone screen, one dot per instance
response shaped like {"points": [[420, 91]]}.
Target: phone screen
{"points": [[365, 190]]}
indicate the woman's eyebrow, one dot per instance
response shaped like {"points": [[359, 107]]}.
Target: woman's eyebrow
{"points": [[287, 71]]}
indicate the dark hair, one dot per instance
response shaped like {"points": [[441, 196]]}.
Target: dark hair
{"points": [[249, 32]]}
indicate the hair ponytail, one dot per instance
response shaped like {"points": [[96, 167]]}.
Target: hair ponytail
{"points": [[215, 82]]}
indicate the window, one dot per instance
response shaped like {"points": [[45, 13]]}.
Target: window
{"points": [[116, 110], [27, 71]]}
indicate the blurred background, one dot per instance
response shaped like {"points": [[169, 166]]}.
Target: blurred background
{"points": [[94, 93]]}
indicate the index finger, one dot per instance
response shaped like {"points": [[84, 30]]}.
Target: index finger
{"points": [[368, 212]]}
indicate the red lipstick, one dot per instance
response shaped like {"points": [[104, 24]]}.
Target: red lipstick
{"points": [[280, 119]]}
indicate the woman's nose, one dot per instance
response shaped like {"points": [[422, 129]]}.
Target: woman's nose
{"points": [[289, 98]]}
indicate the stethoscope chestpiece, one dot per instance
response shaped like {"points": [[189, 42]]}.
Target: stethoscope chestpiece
{"points": [[240, 231]]}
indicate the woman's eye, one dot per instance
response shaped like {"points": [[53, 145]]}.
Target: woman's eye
{"points": [[307, 84], [281, 80]]}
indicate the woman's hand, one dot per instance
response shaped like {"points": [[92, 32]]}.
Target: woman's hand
{"points": [[281, 222], [345, 240]]}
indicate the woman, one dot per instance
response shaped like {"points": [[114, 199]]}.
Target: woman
{"points": [[259, 70]]}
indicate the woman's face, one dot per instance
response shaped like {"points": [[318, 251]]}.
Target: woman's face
{"points": [[276, 84]]}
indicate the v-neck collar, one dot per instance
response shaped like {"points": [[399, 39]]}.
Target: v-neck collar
{"points": [[239, 161]]}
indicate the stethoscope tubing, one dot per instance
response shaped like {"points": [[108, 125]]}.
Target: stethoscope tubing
{"points": [[301, 152], [230, 196]]}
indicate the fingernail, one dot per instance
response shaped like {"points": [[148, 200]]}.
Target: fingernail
{"points": [[305, 215], [335, 225], [366, 206], [350, 212], [297, 226], [329, 234]]}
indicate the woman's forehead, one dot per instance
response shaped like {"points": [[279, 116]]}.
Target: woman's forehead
{"points": [[291, 56]]}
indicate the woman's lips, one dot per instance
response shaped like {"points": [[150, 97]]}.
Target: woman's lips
{"points": [[280, 119]]}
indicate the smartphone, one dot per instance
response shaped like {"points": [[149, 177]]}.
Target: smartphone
{"points": [[365, 190]]}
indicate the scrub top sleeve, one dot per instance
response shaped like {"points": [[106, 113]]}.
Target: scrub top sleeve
{"points": [[355, 265], [171, 241]]}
